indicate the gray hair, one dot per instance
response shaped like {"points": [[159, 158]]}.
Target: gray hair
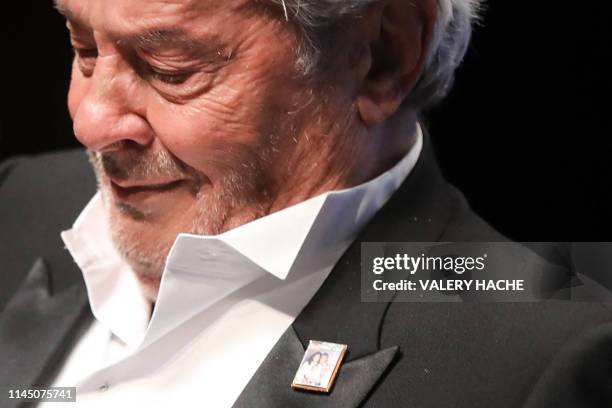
{"points": [[449, 44]]}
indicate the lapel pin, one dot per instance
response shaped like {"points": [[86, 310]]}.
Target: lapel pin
{"points": [[319, 366]]}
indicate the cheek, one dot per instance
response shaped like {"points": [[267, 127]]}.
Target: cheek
{"points": [[231, 124], [216, 132]]}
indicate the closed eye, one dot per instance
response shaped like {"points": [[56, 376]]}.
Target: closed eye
{"points": [[86, 59], [169, 77], [87, 52]]}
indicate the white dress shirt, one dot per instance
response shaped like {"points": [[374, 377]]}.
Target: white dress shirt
{"points": [[223, 303]]}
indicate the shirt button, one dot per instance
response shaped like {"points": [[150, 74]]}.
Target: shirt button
{"points": [[103, 387]]}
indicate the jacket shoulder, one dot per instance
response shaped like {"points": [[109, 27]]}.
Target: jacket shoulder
{"points": [[46, 179], [455, 353], [465, 225], [40, 196]]}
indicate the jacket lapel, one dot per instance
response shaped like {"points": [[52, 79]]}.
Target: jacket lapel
{"points": [[419, 211], [37, 327], [270, 386]]}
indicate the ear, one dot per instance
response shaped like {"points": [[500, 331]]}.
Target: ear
{"points": [[397, 35]]}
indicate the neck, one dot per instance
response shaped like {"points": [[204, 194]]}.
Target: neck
{"points": [[348, 157]]}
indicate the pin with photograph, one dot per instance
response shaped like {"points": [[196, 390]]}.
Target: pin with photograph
{"points": [[319, 366]]}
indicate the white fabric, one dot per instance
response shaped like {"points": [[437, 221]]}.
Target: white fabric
{"points": [[224, 301]]}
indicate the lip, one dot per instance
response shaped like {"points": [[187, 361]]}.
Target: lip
{"points": [[143, 184], [141, 192]]}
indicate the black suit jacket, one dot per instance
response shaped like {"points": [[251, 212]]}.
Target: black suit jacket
{"points": [[400, 354]]}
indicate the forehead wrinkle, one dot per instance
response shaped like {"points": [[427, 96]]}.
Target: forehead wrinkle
{"points": [[128, 18], [156, 25]]}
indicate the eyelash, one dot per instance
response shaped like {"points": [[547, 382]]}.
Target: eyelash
{"points": [[87, 52], [84, 59], [170, 78]]}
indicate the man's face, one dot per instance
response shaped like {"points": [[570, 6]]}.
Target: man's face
{"points": [[193, 113]]}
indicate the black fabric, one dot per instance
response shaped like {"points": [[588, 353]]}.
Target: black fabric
{"points": [[36, 327], [39, 198], [581, 375], [447, 355]]}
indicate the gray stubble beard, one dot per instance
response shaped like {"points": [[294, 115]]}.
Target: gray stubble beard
{"points": [[148, 258]]}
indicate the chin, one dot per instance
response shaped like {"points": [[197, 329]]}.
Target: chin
{"points": [[143, 248]]}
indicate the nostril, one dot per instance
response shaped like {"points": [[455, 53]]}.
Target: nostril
{"points": [[112, 147], [131, 144], [125, 144]]}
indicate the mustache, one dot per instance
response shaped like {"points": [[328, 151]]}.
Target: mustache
{"points": [[130, 165]]}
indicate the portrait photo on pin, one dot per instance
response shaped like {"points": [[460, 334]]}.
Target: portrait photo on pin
{"points": [[319, 366]]}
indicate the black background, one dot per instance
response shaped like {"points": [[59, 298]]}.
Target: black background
{"points": [[524, 134]]}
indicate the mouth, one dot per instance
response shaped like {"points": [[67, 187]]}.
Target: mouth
{"points": [[141, 192]]}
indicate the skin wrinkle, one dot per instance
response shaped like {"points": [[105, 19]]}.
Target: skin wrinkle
{"points": [[241, 141], [337, 168]]}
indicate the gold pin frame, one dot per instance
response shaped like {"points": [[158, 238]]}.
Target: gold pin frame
{"points": [[319, 366]]}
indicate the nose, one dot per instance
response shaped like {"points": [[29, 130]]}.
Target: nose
{"points": [[110, 110]]}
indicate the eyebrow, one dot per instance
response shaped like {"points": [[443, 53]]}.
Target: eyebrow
{"points": [[153, 38], [69, 15], [157, 38], [63, 10]]}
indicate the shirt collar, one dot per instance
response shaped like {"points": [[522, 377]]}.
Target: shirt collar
{"points": [[201, 270]]}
